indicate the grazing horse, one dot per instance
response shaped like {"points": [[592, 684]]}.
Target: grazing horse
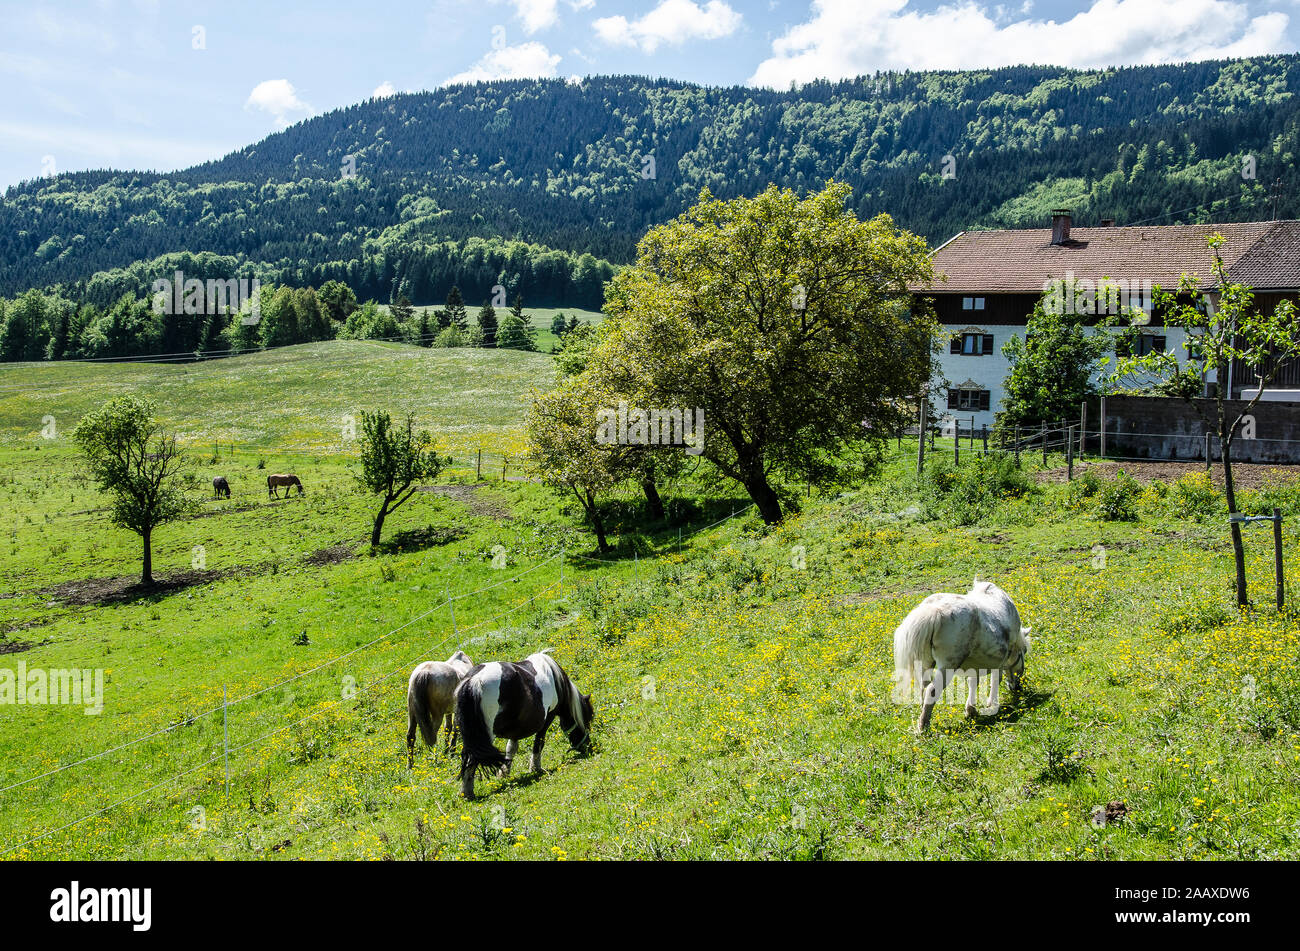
{"points": [[974, 633], [516, 701], [221, 487], [287, 480], [431, 696]]}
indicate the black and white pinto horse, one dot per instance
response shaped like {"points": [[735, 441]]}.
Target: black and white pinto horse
{"points": [[515, 701]]}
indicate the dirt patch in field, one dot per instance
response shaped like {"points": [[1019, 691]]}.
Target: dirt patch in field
{"points": [[469, 494], [333, 555], [1245, 475], [15, 647], [121, 590]]}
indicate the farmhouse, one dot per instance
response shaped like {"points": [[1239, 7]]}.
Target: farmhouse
{"points": [[987, 282]]}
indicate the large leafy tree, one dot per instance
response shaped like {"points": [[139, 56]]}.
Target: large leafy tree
{"points": [[1221, 333], [787, 320], [137, 463], [394, 462]]}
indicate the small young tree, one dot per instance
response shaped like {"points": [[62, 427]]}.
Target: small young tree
{"points": [[136, 462], [1231, 331], [561, 433], [402, 310], [558, 325], [1052, 368], [455, 310], [487, 322], [393, 463]]}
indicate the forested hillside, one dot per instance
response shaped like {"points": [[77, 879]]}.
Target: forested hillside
{"points": [[540, 185]]}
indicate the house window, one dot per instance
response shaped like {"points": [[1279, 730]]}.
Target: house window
{"points": [[1146, 343], [972, 345], [968, 400], [972, 303]]}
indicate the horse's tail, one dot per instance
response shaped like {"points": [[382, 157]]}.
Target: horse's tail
{"points": [[914, 639], [417, 706], [477, 752]]}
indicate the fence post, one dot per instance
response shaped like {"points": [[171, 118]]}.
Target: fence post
{"points": [[225, 738], [984, 434], [1102, 426], [972, 432], [1016, 445], [561, 566], [1044, 444], [1207, 450], [920, 437], [1083, 426], [1069, 456], [505, 462], [478, 466], [956, 442], [1277, 558]]}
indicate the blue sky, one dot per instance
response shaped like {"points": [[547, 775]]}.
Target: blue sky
{"points": [[155, 85]]}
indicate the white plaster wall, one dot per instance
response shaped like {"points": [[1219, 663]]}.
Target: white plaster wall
{"points": [[989, 372]]}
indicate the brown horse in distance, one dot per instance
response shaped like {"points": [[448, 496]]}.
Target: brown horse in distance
{"points": [[285, 480]]}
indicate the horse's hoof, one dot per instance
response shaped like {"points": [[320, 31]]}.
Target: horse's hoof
{"points": [[970, 712], [990, 711]]}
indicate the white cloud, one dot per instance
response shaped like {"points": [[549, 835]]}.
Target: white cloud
{"points": [[279, 98], [536, 14], [383, 90], [582, 4], [846, 38], [673, 22], [529, 60]]}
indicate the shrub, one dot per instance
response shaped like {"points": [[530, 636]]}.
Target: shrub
{"points": [[1080, 492], [1194, 496], [973, 490], [1118, 498]]}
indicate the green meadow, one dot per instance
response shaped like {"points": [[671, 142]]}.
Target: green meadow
{"points": [[741, 673]]}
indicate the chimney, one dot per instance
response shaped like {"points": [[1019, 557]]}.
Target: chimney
{"points": [[1108, 222], [1060, 226]]}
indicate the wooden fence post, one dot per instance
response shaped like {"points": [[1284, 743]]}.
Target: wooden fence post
{"points": [[1207, 450], [1102, 427], [1069, 456], [1016, 445], [1044, 444], [1277, 559], [1083, 426], [920, 436], [478, 466]]}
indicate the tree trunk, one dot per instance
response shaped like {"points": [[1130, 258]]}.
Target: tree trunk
{"points": [[597, 523], [379, 525], [764, 496], [653, 501], [1230, 492], [146, 572]]}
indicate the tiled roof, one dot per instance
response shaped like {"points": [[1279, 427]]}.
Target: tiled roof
{"points": [[1273, 262], [1263, 254]]}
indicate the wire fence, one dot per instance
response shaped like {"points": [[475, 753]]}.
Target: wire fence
{"points": [[457, 634]]}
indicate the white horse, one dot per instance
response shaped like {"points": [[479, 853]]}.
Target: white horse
{"points": [[430, 698], [974, 633]]}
